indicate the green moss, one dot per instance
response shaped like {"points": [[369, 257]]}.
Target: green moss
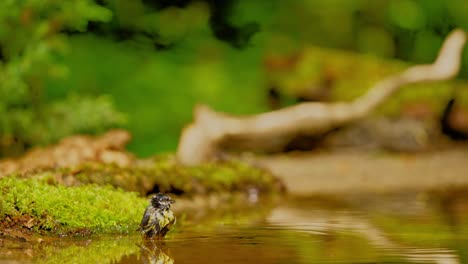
{"points": [[162, 173], [61, 210]]}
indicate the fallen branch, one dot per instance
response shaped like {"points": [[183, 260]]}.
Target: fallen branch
{"points": [[213, 131]]}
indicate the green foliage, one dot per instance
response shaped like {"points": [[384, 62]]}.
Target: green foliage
{"points": [[157, 70], [60, 209], [31, 45], [158, 89], [353, 74], [389, 28], [83, 114]]}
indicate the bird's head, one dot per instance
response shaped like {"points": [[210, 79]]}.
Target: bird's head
{"points": [[161, 201]]}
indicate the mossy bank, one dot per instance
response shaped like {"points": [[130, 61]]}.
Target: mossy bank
{"points": [[96, 198]]}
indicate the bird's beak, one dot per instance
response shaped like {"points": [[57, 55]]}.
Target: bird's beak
{"points": [[172, 201]]}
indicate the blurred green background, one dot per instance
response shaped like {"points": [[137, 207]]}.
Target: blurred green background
{"points": [[84, 66]]}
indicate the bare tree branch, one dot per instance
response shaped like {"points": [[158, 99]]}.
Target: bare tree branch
{"points": [[212, 131]]}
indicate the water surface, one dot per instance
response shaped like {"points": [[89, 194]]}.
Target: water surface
{"points": [[394, 228], [398, 228]]}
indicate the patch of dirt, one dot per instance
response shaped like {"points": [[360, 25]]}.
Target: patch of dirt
{"points": [[354, 171], [17, 227]]}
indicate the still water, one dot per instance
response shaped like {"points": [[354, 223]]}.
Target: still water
{"points": [[394, 228]]}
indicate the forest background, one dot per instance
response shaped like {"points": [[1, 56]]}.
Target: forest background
{"points": [[84, 66]]}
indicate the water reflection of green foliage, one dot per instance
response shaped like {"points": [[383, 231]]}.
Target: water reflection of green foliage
{"points": [[95, 250]]}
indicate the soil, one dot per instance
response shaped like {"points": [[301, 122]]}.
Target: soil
{"points": [[354, 171]]}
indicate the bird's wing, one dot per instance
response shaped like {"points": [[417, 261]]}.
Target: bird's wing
{"points": [[173, 220], [150, 223], [145, 219]]}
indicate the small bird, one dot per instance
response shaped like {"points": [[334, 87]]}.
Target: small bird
{"points": [[158, 217]]}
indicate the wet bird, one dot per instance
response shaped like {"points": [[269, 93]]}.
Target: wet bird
{"points": [[158, 217]]}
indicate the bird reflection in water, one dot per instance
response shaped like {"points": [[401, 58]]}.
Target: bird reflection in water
{"points": [[154, 252]]}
